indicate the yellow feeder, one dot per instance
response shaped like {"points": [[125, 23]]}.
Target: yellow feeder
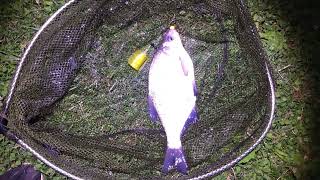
{"points": [[137, 59]]}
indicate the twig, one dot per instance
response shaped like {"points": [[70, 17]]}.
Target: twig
{"points": [[284, 68], [112, 87], [72, 88], [281, 76], [234, 174], [33, 28], [282, 174]]}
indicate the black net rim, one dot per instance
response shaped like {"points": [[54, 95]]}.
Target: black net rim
{"points": [[271, 108]]}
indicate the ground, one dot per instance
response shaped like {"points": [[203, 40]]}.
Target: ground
{"points": [[289, 31]]}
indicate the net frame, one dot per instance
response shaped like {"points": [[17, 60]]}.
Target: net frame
{"points": [[227, 165]]}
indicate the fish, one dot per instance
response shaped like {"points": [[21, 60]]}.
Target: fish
{"points": [[172, 94]]}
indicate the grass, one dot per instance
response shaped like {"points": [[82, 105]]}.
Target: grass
{"points": [[97, 98], [289, 37]]}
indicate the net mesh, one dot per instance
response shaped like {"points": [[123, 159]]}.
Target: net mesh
{"points": [[78, 103]]}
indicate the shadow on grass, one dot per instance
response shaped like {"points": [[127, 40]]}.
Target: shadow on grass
{"points": [[304, 17]]}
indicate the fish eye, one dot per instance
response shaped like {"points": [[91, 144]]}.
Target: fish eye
{"points": [[170, 38]]}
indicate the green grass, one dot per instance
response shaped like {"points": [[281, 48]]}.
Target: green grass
{"points": [[95, 104], [20, 20], [288, 152]]}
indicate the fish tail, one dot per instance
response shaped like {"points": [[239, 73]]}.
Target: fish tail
{"points": [[175, 159]]}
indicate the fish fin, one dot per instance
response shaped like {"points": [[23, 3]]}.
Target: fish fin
{"points": [[193, 118], [175, 159], [184, 66], [195, 90], [152, 110], [186, 63], [187, 68]]}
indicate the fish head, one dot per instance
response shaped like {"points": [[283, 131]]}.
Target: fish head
{"points": [[171, 39]]}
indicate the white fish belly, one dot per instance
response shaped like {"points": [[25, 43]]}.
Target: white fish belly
{"points": [[173, 97]]}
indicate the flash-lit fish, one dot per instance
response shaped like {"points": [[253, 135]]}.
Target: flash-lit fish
{"points": [[172, 96]]}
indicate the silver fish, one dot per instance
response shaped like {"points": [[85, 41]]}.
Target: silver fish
{"points": [[172, 96]]}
